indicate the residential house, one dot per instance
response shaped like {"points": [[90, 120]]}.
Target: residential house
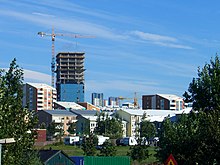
{"points": [[61, 118], [52, 157], [86, 120]]}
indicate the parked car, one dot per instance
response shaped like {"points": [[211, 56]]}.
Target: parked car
{"points": [[71, 140], [129, 141], [119, 142]]}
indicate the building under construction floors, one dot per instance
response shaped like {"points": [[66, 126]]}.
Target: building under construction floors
{"points": [[70, 76]]}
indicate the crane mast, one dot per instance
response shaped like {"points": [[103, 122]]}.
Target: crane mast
{"points": [[53, 35]]}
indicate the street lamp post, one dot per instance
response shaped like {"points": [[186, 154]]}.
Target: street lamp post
{"points": [[5, 141]]}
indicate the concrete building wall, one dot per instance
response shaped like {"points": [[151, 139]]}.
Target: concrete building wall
{"points": [[38, 96], [162, 103]]}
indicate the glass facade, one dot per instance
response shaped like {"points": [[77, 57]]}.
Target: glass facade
{"points": [[71, 92]]}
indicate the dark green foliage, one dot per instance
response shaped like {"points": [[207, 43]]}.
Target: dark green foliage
{"points": [[147, 129], [72, 128], [51, 129], [205, 90], [15, 121], [108, 149], [139, 152], [196, 136], [31, 158], [89, 145], [180, 139], [111, 127]]}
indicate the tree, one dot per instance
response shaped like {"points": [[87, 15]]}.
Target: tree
{"points": [[107, 126], [108, 149], [204, 91], [51, 129], [15, 121], [196, 137], [180, 139], [89, 144], [72, 128], [147, 129], [140, 151]]}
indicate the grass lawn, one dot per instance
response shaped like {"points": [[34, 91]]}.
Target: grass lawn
{"points": [[77, 151]]}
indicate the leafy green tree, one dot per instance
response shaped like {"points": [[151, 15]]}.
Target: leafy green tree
{"points": [[72, 128], [147, 129], [204, 91], [196, 137], [140, 151], [31, 158], [51, 129], [180, 139], [89, 145], [108, 149], [107, 126], [15, 121]]}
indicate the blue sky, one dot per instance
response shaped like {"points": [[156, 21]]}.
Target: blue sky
{"points": [[141, 46]]}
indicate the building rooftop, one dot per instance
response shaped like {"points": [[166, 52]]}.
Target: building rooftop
{"points": [[41, 85], [169, 96], [149, 112], [85, 112], [47, 154], [156, 115], [70, 105], [59, 112], [91, 118]]}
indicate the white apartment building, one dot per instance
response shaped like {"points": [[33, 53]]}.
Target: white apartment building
{"points": [[133, 117], [37, 96]]}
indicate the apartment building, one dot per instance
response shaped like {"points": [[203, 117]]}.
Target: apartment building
{"points": [[113, 101], [86, 120], [37, 96], [133, 117], [61, 118], [97, 99], [70, 76], [163, 102]]}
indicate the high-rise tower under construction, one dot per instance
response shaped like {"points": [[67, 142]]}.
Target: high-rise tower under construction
{"points": [[70, 76]]}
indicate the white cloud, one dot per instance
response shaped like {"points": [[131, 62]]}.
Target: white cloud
{"points": [[42, 14], [161, 40], [66, 24], [153, 37], [33, 76], [172, 45]]}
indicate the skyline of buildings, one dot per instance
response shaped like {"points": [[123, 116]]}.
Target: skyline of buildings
{"points": [[37, 96], [70, 85]]}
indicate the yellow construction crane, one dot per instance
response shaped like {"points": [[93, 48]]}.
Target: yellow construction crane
{"points": [[53, 35], [135, 99]]}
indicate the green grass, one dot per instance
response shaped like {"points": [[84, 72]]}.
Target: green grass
{"points": [[77, 151]]}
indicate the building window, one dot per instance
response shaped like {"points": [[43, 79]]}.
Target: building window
{"points": [[162, 104]]}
